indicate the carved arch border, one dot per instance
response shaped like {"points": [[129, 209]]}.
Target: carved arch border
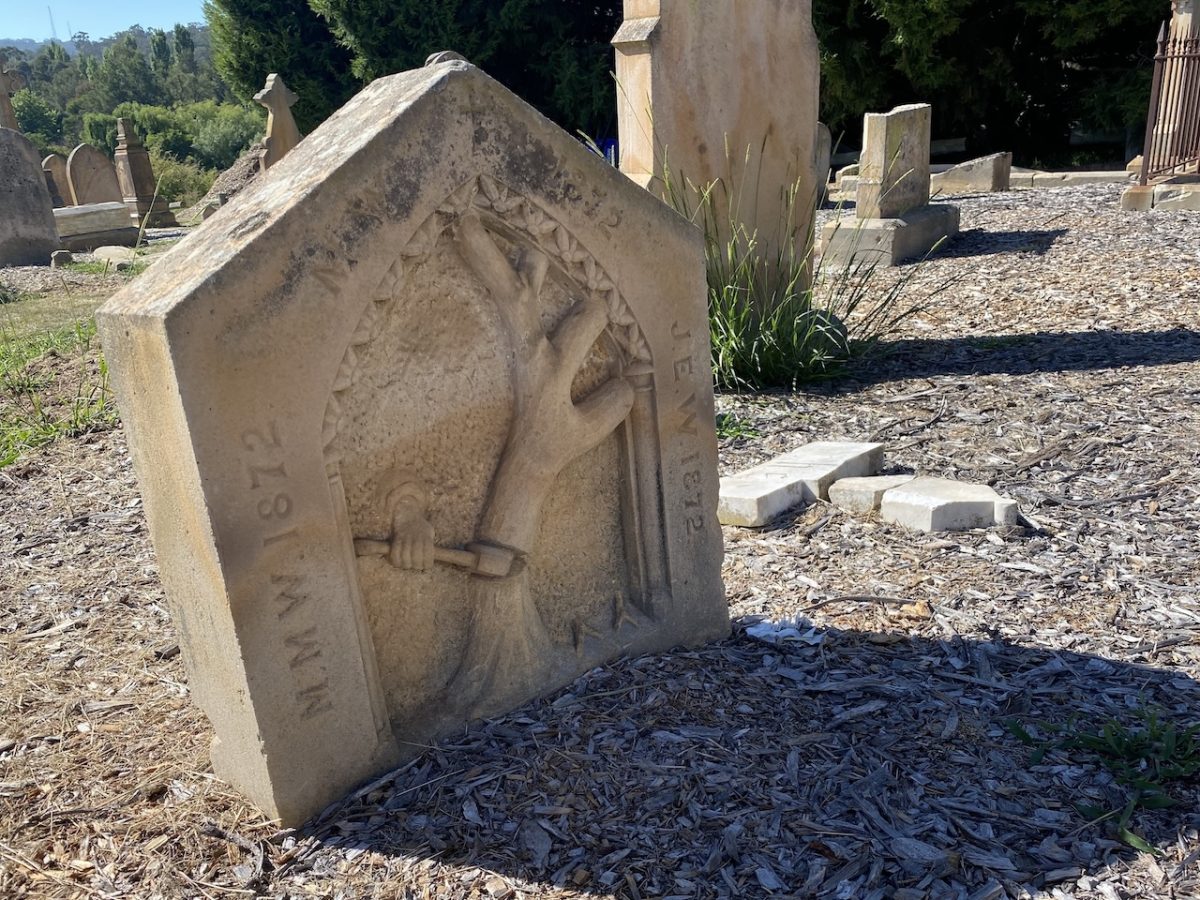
{"points": [[520, 219]]}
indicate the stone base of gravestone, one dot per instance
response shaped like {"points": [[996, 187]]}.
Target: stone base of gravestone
{"points": [[155, 215], [888, 242], [988, 174], [83, 228]]}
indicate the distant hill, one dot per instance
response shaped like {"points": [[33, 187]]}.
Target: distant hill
{"points": [[25, 45]]}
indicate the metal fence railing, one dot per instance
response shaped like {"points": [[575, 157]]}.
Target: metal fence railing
{"points": [[1173, 125]]}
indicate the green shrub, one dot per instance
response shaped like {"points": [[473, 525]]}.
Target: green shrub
{"points": [[181, 180], [771, 324]]}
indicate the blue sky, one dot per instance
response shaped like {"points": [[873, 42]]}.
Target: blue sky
{"points": [[99, 18]]}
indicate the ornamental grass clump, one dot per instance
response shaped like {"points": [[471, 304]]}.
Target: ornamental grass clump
{"points": [[775, 319]]}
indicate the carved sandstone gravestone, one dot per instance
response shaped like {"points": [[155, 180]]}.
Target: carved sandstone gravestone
{"points": [[894, 219], [424, 425], [92, 177], [714, 89], [27, 235]]}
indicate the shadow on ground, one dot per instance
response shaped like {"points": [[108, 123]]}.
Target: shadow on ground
{"points": [[979, 242], [836, 764], [1021, 354]]}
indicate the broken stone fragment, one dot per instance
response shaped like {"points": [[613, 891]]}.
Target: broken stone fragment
{"points": [[939, 504], [753, 498], [864, 495]]}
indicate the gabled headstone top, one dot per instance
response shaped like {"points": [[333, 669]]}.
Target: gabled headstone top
{"points": [[424, 425]]}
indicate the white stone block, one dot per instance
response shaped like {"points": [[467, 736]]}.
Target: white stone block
{"points": [[753, 498], [938, 504], [864, 495]]}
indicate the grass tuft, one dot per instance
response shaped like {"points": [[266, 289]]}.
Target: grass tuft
{"points": [[772, 322], [52, 384], [1145, 757]]}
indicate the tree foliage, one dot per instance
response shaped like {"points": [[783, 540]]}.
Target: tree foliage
{"points": [[1015, 76], [553, 53], [253, 38]]}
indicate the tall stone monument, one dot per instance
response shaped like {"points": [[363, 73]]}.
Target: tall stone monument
{"points": [[91, 177], [27, 235], [10, 83], [713, 89], [424, 425], [135, 175], [894, 219], [282, 133]]}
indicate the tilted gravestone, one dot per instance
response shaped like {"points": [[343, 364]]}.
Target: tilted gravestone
{"points": [[92, 177], [424, 425], [55, 167], [894, 219], [27, 235], [714, 89], [135, 176]]}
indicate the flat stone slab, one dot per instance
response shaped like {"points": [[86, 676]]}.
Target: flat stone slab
{"points": [[752, 498], [939, 504], [888, 242], [95, 225], [864, 495]]}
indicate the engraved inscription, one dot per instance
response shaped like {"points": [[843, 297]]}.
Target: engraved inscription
{"points": [[693, 481], [275, 507]]}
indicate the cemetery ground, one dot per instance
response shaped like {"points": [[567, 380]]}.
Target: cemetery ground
{"points": [[915, 723]]}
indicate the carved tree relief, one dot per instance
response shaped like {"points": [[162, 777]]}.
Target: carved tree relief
{"points": [[508, 644]]}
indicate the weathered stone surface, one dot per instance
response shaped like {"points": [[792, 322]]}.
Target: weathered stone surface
{"points": [[91, 177], [864, 495], [986, 174], [702, 82], [893, 175], [282, 133], [55, 168], [1177, 196], [888, 242], [94, 225], [757, 496], [938, 504], [60, 258], [136, 178], [424, 425], [27, 235]]}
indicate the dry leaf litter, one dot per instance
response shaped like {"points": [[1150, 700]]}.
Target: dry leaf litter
{"points": [[849, 740]]}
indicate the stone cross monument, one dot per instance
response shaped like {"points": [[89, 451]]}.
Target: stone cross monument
{"points": [[10, 83], [282, 133]]}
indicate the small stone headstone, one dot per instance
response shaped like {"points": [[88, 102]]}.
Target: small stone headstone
{"points": [[282, 133], [27, 233], [91, 177], [60, 258], [424, 425], [893, 175], [55, 167]]}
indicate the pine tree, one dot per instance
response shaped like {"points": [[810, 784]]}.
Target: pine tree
{"points": [[253, 38]]}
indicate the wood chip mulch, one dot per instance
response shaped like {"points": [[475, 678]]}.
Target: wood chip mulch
{"points": [[851, 739]]}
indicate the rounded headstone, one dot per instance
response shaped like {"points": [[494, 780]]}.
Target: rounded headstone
{"points": [[27, 232], [92, 177]]}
